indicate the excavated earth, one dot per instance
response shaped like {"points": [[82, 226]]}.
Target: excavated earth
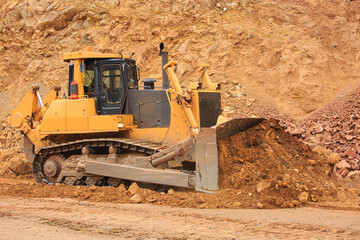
{"points": [[262, 167], [294, 60]]}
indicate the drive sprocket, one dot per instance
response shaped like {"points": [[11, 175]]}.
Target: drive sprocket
{"points": [[51, 167]]}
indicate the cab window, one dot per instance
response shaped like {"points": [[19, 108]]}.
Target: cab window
{"points": [[132, 79], [89, 80], [112, 83]]}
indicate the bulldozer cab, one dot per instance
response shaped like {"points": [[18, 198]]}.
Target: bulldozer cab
{"points": [[107, 80]]}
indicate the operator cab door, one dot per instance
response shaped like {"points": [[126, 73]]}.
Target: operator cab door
{"points": [[112, 88]]}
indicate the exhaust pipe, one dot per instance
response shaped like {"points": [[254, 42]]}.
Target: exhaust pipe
{"points": [[164, 61]]}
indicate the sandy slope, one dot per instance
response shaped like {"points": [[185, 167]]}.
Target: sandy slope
{"points": [[293, 55]]}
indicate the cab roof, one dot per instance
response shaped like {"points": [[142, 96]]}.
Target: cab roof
{"points": [[90, 55]]}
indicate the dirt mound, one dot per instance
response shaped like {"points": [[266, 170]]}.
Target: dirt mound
{"points": [[263, 167], [270, 168]]}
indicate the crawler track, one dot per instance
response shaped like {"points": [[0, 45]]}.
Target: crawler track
{"points": [[72, 148]]}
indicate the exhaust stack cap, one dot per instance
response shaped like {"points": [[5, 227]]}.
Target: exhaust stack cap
{"points": [[161, 48]]}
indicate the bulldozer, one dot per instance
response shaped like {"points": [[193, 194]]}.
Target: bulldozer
{"points": [[110, 129]]}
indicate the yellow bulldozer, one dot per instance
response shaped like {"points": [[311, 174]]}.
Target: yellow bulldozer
{"points": [[110, 129]]}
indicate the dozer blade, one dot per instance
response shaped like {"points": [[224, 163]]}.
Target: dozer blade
{"points": [[207, 164]]}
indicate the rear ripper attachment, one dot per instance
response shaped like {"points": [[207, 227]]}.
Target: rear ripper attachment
{"points": [[110, 130]]}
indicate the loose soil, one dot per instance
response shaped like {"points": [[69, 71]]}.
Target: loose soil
{"points": [[262, 167], [40, 219], [271, 168]]}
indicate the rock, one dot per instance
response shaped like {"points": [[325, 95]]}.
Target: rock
{"points": [[18, 165], [286, 179], [236, 204], [296, 202], [346, 128], [353, 175], [311, 162], [351, 153], [263, 186], [200, 199], [328, 152], [134, 189], [327, 137], [92, 188], [343, 172], [296, 131], [319, 150], [290, 205], [349, 137], [333, 158], [319, 129], [260, 205], [68, 14], [203, 205], [303, 197], [355, 166], [171, 191], [136, 198], [121, 188], [342, 164]]}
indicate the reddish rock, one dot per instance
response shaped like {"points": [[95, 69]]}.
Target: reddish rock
{"points": [[296, 131], [351, 153], [355, 166], [305, 135], [336, 137], [327, 137], [319, 129], [343, 172], [342, 164], [346, 128], [353, 175], [348, 137]]}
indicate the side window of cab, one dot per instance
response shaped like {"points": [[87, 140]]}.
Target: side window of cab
{"points": [[89, 80], [132, 77]]}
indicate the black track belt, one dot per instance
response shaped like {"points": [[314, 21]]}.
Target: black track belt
{"points": [[122, 143]]}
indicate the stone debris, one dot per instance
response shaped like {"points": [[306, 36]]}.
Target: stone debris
{"points": [[136, 198], [134, 189], [336, 128], [14, 164]]}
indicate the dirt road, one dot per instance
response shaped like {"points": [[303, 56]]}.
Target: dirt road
{"points": [[70, 219]]}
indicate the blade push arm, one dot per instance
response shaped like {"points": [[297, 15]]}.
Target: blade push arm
{"points": [[27, 114], [182, 96]]}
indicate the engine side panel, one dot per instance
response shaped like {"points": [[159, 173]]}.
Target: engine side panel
{"points": [[150, 108]]}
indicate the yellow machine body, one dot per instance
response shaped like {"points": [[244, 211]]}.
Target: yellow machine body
{"points": [[66, 137]]}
